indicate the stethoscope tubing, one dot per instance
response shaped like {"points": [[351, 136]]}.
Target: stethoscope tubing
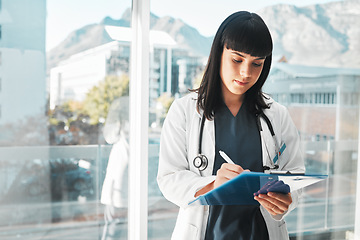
{"points": [[201, 133], [201, 161]]}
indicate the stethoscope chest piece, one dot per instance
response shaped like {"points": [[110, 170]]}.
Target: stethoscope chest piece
{"points": [[201, 162]]}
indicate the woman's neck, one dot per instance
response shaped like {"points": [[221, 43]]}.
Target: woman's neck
{"points": [[233, 102]]}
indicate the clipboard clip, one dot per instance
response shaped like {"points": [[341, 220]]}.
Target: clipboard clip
{"points": [[279, 172]]}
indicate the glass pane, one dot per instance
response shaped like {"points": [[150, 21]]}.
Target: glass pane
{"points": [[64, 87], [318, 81]]}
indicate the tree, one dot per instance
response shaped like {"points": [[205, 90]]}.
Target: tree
{"points": [[165, 100], [98, 99]]}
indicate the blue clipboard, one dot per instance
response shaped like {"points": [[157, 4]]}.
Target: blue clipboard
{"points": [[240, 190]]}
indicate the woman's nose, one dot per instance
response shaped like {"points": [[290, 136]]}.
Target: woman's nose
{"points": [[245, 71]]}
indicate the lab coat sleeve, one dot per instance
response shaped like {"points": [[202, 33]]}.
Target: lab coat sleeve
{"points": [[292, 159], [175, 179]]}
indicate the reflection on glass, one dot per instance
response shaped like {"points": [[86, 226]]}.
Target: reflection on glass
{"points": [[114, 189], [53, 106]]}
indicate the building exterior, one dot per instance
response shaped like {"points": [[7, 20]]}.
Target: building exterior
{"points": [[171, 69], [22, 60], [75, 76], [318, 95]]}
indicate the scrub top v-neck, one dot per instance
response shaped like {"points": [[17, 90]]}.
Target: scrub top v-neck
{"points": [[239, 137]]}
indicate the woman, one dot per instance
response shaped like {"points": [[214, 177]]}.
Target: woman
{"points": [[114, 192], [230, 100]]}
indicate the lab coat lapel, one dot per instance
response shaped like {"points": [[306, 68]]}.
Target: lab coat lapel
{"points": [[208, 146], [267, 143]]}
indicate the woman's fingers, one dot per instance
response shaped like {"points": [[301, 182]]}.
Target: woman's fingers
{"points": [[231, 167], [275, 203], [226, 172]]}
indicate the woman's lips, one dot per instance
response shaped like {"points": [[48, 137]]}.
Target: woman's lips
{"points": [[241, 83]]}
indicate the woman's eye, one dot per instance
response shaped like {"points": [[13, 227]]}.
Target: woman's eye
{"points": [[237, 60], [257, 64]]}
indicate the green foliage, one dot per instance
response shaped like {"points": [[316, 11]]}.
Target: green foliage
{"points": [[65, 113], [98, 100], [166, 100]]}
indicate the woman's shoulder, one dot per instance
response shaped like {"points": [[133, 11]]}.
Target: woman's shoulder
{"points": [[184, 105], [188, 98], [275, 108], [187, 101]]}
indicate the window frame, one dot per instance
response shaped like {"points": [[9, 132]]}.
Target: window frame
{"points": [[139, 118]]}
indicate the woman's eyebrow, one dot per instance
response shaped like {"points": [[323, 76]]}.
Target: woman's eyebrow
{"points": [[237, 53]]}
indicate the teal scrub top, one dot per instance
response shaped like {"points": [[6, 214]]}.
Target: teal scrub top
{"points": [[238, 136]]}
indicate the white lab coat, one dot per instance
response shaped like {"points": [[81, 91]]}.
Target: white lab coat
{"points": [[179, 180], [114, 191]]}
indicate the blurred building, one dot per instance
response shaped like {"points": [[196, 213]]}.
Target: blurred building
{"points": [[323, 102], [75, 76], [171, 69]]}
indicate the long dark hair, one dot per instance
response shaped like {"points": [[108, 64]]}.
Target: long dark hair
{"points": [[243, 32]]}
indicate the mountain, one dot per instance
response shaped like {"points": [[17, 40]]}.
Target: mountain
{"points": [[319, 35], [95, 34], [87, 37], [186, 36]]}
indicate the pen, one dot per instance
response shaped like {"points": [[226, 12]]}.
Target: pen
{"points": [[226, 157]]}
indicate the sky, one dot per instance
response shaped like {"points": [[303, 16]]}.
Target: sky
{"points": [[65, 16]]}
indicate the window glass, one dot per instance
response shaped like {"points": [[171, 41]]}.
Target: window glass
{"points": [[309, 78], [64, 108], [64, 90]]}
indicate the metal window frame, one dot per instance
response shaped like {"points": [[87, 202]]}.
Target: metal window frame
{"points": [[139, 118], [357, 204]]}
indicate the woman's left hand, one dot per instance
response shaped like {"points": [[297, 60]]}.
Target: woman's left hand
{"points": [[275, 203]]}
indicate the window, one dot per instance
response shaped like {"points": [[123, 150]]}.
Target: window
{"points": [[322, 100], [58, 178], [56, 148]]}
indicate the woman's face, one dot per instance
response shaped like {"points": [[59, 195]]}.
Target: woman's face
{"points": [[239, 72]]}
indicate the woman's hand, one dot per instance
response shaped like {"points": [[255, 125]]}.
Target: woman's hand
{"points": [[275, 203], [226, 172]]}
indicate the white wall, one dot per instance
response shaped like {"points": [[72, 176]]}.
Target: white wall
{"points": [[23, 90]]}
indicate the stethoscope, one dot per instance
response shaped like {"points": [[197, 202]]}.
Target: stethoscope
{"points": [[201, 162]]}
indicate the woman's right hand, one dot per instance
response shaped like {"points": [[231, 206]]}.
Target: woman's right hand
{"points": [[226, 172]]}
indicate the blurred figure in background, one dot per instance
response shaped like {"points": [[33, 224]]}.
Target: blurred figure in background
{"points": [[114, 191]]}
